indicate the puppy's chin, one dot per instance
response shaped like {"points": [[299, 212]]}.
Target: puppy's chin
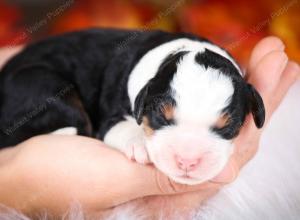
{"points": [[212, 160], [199, 177]]}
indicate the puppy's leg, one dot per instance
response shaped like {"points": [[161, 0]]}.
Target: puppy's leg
{"points": [[128, 137], [35, 100]]}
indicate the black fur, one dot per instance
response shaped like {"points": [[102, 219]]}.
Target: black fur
{"points": [[157, 93], [244, 100], [77, 79]]}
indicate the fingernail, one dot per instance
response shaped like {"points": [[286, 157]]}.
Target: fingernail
{"points": [[296, 69], [283, 62], [227, 175], [280, 46]]}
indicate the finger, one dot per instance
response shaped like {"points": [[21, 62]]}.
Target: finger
{"points": [[249, 134], [246, 145], [288, 78], [262, 48], [266, 74], [265, 78], [228, 174]]}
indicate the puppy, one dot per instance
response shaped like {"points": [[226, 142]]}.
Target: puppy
{"points": [[175, 100]]}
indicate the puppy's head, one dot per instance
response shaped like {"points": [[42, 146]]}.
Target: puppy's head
{"points": [[192, 110]]}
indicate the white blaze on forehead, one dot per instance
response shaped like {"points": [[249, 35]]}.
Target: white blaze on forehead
{"points": [[148, 65], [200, 93]]}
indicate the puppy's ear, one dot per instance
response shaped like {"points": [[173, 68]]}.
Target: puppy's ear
{"points": [[139, 104], [256, 106]]}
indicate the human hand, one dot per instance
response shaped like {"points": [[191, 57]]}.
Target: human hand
{"points": [[49, 172], [271, 72]]}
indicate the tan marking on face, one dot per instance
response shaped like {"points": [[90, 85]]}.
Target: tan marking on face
{"points": [[222, 121], [147, 129], [168, 111]]}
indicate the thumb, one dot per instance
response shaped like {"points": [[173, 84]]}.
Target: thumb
{"points": [[228, 174]]}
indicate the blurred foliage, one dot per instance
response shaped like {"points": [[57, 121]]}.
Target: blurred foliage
{"points": [[235, 25]]}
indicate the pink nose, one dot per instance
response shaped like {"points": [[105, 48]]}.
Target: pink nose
{"points": [[187, 164]]}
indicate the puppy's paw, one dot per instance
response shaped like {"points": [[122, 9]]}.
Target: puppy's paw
{"points": [[65, 131], [135, 150]]}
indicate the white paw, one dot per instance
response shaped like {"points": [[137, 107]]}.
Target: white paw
{"points": [[135, 150], [65, 131]]}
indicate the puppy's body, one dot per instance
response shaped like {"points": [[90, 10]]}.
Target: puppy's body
{"points": [[175, 99], [92, 66]]}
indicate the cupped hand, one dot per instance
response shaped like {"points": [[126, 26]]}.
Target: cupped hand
{"points": [[272, 74], [49, 172]]}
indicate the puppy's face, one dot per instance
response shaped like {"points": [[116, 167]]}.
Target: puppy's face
{"points": [[191, 111]]}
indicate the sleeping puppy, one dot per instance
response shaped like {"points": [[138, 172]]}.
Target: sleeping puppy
{"points": [[175, 100]]}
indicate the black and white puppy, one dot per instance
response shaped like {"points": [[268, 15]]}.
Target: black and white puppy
{"points": [[175, 99]]}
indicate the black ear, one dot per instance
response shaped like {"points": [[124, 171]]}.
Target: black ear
{"points": [[139, 104], [256, 106]]}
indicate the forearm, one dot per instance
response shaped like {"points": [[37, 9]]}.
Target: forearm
{"points": [[32, 179], [15, 190]]}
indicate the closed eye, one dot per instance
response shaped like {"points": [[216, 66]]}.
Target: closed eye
{"points": [[222, 121], [226, 127]]}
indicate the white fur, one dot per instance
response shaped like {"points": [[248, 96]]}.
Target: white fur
{"points": [[200, 94], [128, 137], [65, 131], [188, 142]]}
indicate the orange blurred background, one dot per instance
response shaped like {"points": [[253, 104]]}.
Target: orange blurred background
{"points": [[235, 25]]}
